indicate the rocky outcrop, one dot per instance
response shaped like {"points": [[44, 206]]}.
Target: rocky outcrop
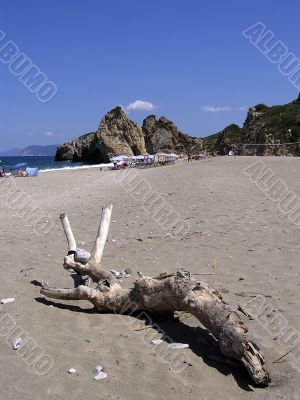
{"points": [[258, 130], [116, 135], [75, 150], [272, 130], [162, 135], [266, 131], [221, 143]]}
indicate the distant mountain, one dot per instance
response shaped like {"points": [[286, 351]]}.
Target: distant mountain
{"points": [[31, 151], [39, 150]]}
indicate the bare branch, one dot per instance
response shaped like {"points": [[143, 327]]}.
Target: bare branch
{"points": [[79, 293], [68, 232], [98, 248]]}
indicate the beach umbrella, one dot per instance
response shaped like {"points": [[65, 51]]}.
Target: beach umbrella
{"points": [[117, 158], [20, 166]]}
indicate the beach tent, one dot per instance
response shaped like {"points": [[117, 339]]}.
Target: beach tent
{"points": [[32, 171]]}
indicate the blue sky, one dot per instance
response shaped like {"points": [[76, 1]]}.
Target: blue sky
{"points": [[189, 59]]}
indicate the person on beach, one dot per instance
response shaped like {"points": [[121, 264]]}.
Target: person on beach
{"points": [[189, 158]]}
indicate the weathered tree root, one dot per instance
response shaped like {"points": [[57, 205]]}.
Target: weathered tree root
{"points": [[163, 294]]}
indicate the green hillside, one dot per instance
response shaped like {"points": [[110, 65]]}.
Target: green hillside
{"points": [[268, 126]]}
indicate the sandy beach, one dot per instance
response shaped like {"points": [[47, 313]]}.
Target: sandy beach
{"points": [[236, 235]]}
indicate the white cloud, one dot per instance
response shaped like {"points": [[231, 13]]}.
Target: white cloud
{"points": [[48, 134], [140, 105], [215, 109]]}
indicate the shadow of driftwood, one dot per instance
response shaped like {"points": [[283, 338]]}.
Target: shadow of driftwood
{"points": [[204, 345], [62, 306], [36, 283]]}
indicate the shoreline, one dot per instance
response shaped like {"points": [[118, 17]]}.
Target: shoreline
{"points": [[179, 161], [79, 167]]}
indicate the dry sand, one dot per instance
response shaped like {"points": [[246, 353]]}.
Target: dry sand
{"points": [[236, 232]]}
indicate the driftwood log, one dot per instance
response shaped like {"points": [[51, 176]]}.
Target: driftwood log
{"points": [[163, 294]]}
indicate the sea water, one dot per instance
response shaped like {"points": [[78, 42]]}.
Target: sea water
{"points": [[44, 164]]}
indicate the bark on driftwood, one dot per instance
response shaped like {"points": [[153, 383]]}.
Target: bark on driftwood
{"points": [[163, 294]]}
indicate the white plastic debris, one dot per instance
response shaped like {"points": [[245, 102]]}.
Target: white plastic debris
{"points": [[117, 274], [16, 343], [99, 374], [72, 371], [122, 274], [178, 346], [8, 300], [156, 341]]}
